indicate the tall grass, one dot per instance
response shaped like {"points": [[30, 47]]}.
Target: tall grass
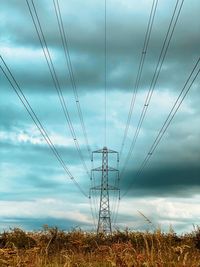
{"points": [[55, 248]]}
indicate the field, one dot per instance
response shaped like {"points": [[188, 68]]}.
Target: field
{"points": [[54, 248]]}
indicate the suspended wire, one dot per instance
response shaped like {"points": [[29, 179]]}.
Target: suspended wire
{"points": [[55, 80], [93, 194], [113, 199], [163, 53], [117, 209], [93, 197], [116, 195], [11, 79], [96, 199], [92, 200], [118, 198], [188, 84], [176, 106], [71, 73], [91, 209], [115, 206], [105, 73], [136, 86], [140, 70]]}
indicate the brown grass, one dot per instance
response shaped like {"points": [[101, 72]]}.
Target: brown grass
{"points": [[55, 248]]}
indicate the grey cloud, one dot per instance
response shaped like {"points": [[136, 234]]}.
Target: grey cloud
{"points": [[89, 47], [174, 169], [38, 155], [176, 181]]}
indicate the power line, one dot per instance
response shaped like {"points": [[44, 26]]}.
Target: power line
{"points": [[92, 197], [36, 121], [55, 80], [105, 73], [162, 55], [140, 69], [189, 82], [71, 73], [116, 197], [136, 86], [94, 193], [92, 211], [117, 209]]}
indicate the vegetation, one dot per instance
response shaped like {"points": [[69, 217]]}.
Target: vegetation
{"points": [[55, 248]]}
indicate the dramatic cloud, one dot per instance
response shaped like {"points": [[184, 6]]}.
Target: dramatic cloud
{"points": [[34, 189]]}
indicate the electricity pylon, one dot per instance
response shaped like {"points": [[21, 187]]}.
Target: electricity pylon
{"points": [[104, 214]]}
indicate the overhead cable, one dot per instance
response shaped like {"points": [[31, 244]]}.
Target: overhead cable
{"points": [[187, 86], [139, 72], [65, 45], [43, 43], [105, 72], [11, 79], [167, 40]]}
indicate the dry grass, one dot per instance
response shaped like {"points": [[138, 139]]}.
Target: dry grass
{"points": [[54, 248]]}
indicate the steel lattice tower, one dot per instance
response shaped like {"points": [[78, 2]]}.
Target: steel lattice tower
{"points": [[104, 215]]}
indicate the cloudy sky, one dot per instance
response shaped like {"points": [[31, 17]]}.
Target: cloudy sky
{"points": [[34, 189]]}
